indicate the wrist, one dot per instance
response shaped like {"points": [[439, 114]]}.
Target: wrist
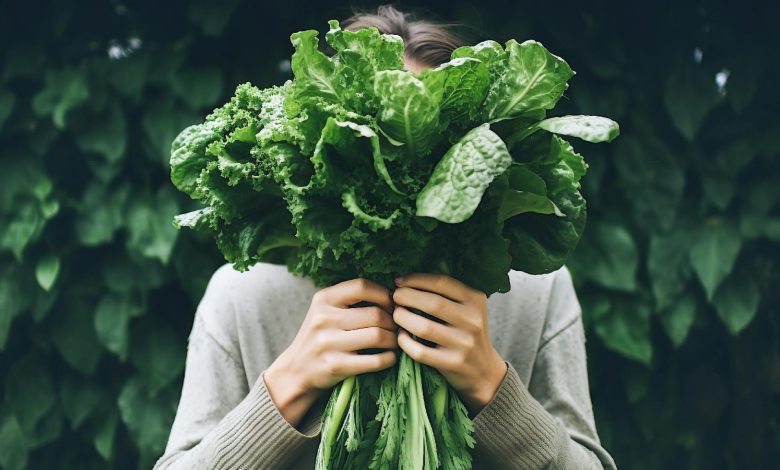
{"points": [[289, 392], [486, 390]]}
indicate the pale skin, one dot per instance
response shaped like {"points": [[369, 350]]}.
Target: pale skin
{"points": [[325, 350]]}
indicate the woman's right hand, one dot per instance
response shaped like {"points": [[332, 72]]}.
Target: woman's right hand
{"points": [[325, 350]]}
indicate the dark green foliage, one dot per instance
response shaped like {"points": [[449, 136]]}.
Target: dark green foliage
{"points": [[84, 144]]}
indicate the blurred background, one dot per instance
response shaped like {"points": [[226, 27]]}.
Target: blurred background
{"points": [[677, 273]]}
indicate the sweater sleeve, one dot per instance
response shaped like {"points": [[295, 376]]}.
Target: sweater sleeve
{"points": [[222, 422], [550, 423]]}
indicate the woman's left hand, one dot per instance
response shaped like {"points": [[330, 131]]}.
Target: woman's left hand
{"points": [[463, 353]]}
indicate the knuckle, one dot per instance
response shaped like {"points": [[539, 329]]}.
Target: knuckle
{"points": [[320, 320], [437, 304], [427, 329], [362, 284], [376, 315]]}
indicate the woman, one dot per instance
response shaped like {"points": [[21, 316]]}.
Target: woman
{"points": [[266, 347]]}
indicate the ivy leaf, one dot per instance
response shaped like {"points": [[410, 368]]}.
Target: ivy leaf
{"points": [[12, 302], [607, 256], [63, 90], [105, 135], [199, 87], [650, 178], [46, 271], [678, 318], [7, 100], [79, 399], [29, 390], [148, 417], [104, 438], [668, 265], [625, 329], [210, 17], [151, 233], [157, 354], [13, 445], [736, 302], [689, 96], [73, 334], [101, 212], [714, 252], [112, 318]]}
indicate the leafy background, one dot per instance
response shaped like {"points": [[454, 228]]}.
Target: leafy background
{"points": [[677, 272]]}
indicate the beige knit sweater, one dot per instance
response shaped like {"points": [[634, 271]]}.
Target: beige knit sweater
{"points": [[540, 418]]}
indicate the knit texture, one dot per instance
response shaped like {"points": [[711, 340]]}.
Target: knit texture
{"points": [[540, 418]]}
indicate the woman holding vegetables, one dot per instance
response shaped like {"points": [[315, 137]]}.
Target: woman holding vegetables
{"points": [[266, 346]]}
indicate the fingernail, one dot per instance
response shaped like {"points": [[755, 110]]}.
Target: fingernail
{"points": [[399, 280]]}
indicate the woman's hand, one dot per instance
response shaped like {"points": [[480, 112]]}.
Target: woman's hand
{"points": [[324, 351], [463, 353]]}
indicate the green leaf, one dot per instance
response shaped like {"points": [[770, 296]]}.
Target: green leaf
{"points": [[7, 100], [668, 265], [713, 253], [531, 78], [79, 399], [198, 86], [104, 438], [29, 391], [689, 96], [112, 318], [13, 301], [63, 90], [736, 302], [678, 318], [625, 329], [73, 334], [46, 271], [408, 111], [462, 175], [148, 418], [13, 445], [149, 225], [105, 135], [161, 122], [589, 128], [101, 212], [463, 83], [607, 255], [313, 70], [210, 17], [157, 354], [541, 243], [651, 179]]}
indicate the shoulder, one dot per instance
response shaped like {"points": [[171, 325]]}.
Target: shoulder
{"points": [[232, 298], [550, 295]]}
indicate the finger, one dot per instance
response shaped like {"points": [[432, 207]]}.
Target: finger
{"points": [[438, 358], [366, 338], [364, 317], [440, 284], [357, 290], [355, 364], [425, 328], [430, 303]]}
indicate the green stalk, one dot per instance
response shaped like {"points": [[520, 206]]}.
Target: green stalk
{"points": [[431, 458], [439, 402], [335, 417]]}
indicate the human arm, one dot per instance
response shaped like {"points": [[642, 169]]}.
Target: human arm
{"points": [[223, 422]]}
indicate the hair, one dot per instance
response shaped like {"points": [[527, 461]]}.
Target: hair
{"points": [[425, 42]]}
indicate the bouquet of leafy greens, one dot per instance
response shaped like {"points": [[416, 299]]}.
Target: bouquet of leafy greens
{"points": [[359, 168]]}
